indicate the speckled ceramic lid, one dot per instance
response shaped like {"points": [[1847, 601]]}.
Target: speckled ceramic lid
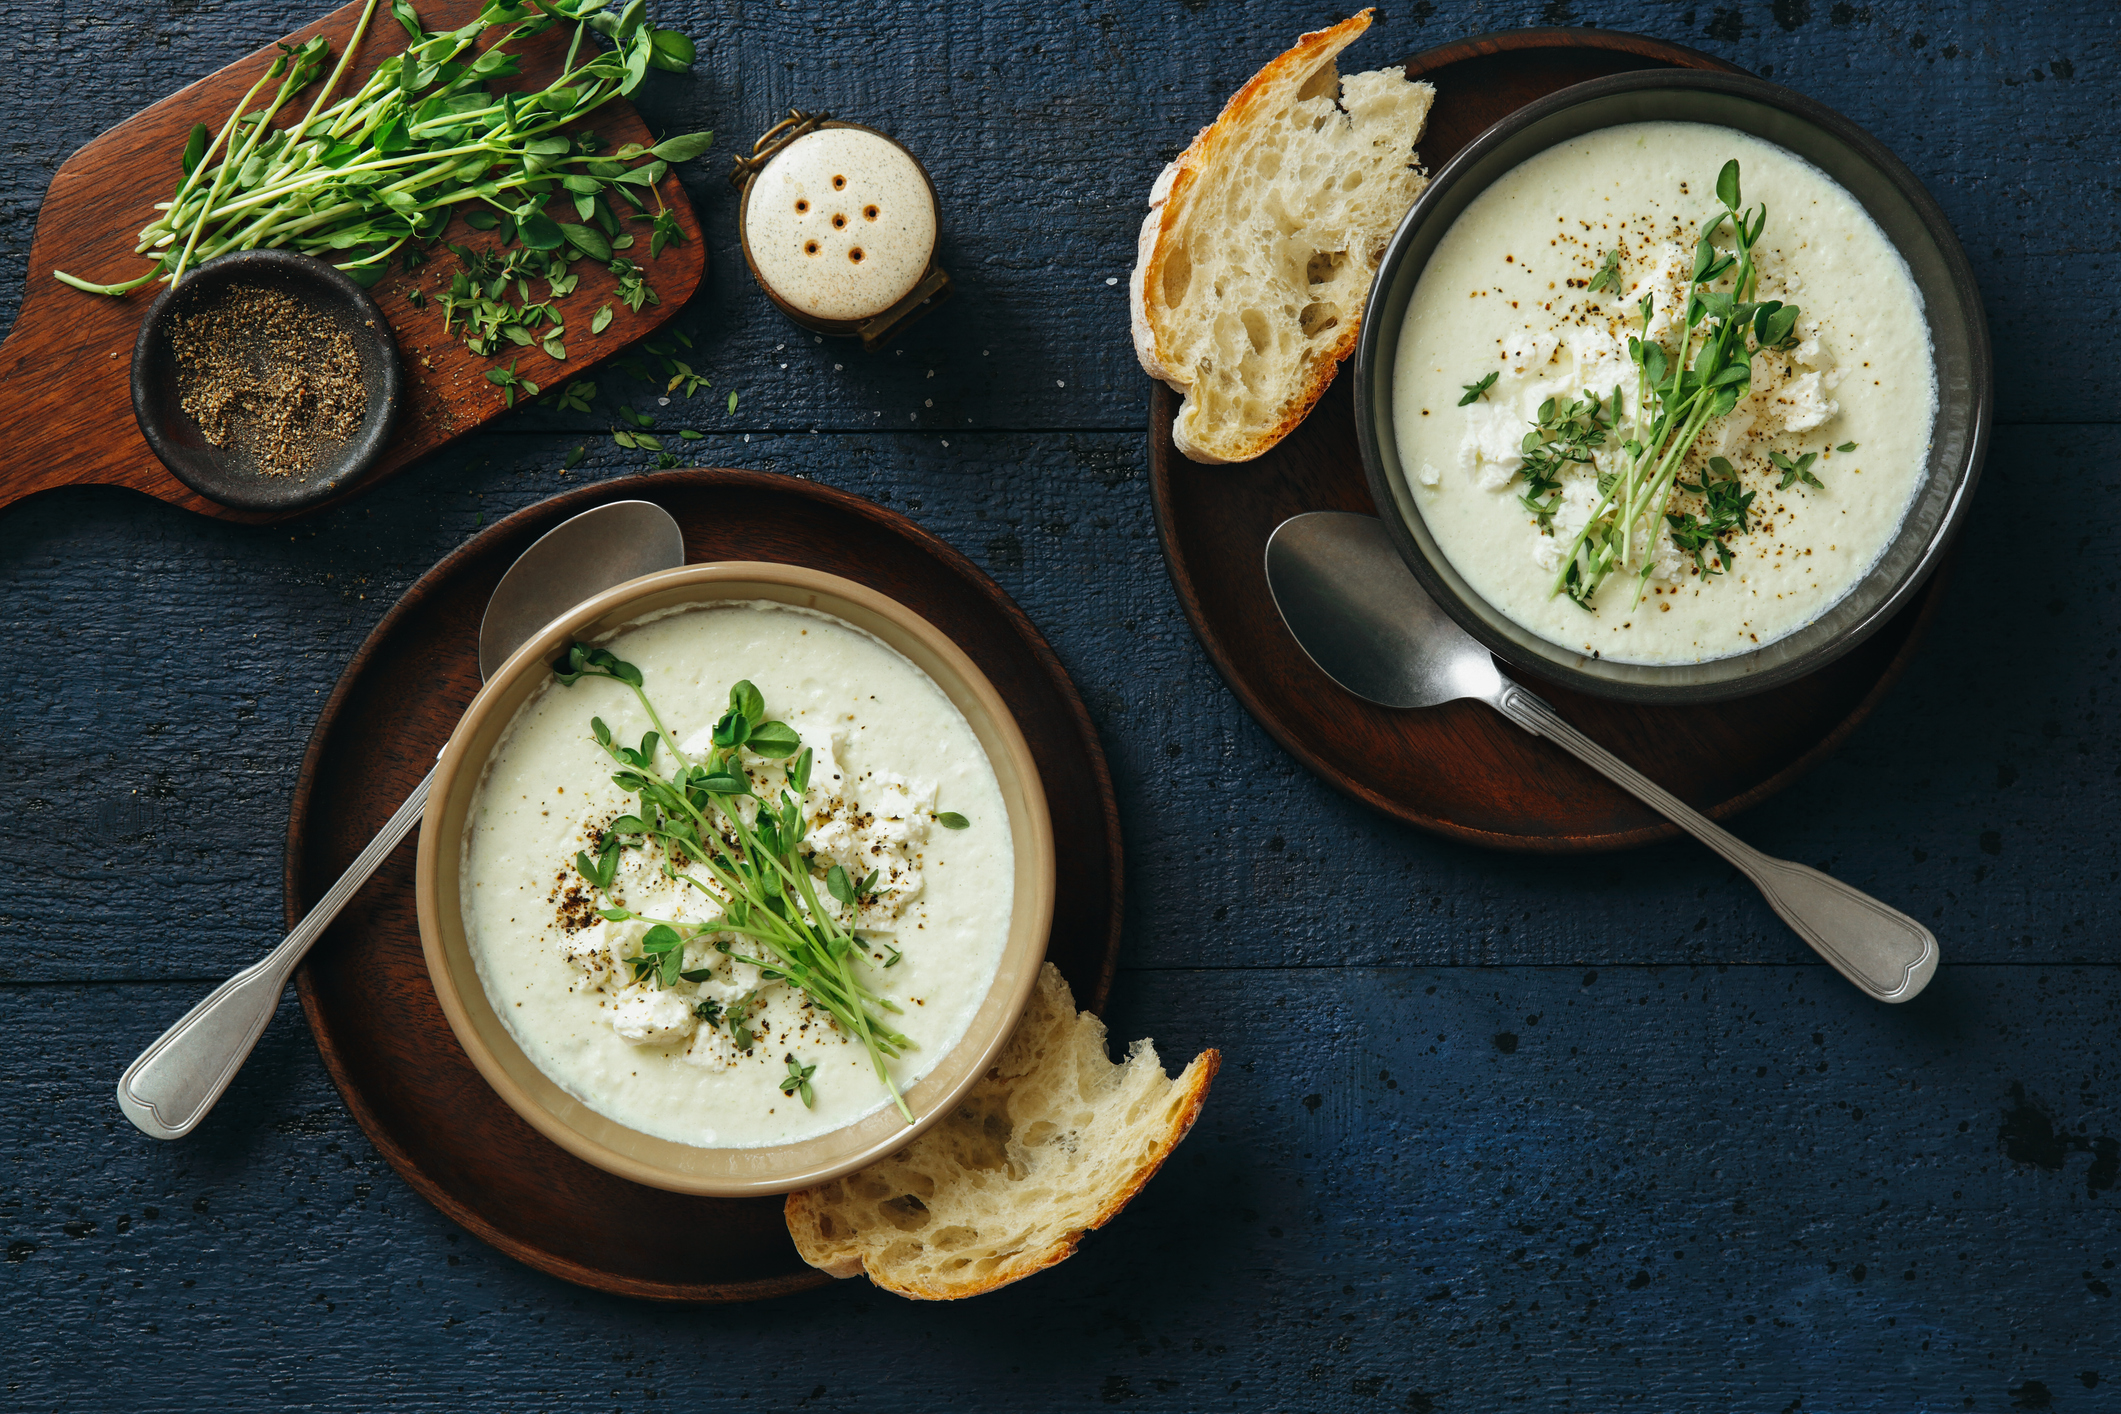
{"points": [[841, 223]]}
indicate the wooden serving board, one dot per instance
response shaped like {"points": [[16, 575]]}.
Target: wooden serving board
{"points": [[365, 988], [1462, 770], [65, 371]]}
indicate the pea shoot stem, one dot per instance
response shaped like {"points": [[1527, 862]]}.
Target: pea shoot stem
{"points": [[761, 881]]}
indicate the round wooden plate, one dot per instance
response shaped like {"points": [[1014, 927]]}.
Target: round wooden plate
{"points": [[365, 989], [1461, 769]]}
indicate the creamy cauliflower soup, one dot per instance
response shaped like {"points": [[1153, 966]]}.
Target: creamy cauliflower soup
{"points": [[1580, 489], [645, 979]]}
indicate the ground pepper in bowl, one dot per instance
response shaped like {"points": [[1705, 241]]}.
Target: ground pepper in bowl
{"points": [[270, 379]]}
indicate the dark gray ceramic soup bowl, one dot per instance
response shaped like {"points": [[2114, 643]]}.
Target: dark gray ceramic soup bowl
{"points": [[1894, 198]]}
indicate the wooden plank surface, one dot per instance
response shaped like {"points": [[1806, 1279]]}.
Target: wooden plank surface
{"points": [[1363, 1254], [65, 369], [1664, 1189]]}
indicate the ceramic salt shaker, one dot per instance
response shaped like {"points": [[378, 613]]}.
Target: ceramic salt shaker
{"points": [[839, 226]]}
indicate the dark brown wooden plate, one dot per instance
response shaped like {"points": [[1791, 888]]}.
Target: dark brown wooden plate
{"points": [[1462, 770], [365, 989]]}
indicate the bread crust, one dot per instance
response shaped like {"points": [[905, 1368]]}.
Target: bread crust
{"points": [[802, 1212], [1167, 200], [1060, 1038]]}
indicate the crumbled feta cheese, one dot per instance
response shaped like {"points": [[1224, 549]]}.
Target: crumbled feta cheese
{"points": [[712, 1048], [651, 1016], [1428, 475], [1669, 281], [1489, 450], [1805, 404], [876, 824], [1529, 353], [1602, 362]]}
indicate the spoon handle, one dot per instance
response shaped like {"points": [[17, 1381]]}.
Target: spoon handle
{"points": [[170, 1088], [1883, 951]]}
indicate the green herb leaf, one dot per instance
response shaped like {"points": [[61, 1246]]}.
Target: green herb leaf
{"points": [[1608, 276], [1727, 185], [1846, 447], [672, 51], [600, 321], [797, 1081], [195, 147], [773, 740], [1474, 392], [951, 820], [683, 149], [587, 239]]}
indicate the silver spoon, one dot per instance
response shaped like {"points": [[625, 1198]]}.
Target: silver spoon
{"points": [[170, 1088], [1364, 619]]}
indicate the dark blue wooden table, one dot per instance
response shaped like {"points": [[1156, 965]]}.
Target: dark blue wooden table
{"points": [[1491, 1131]]}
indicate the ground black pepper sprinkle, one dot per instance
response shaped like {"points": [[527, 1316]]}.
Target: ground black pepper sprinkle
{"points": [[269, 379]]}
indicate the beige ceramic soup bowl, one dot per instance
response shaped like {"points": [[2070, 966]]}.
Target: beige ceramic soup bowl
{"points": [[663, 1163]]}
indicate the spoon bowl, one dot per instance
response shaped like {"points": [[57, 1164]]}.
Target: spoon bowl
{"points": [[1392, 644], [1359, 614]]}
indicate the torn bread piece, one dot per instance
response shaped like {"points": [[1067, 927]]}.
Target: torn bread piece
{"points": [[1263, 238], [1053, 1141]]}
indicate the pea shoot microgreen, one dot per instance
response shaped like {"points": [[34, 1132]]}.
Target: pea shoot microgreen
{"points": [[756, 871], [426, 135], [1474, 391], [1677, 394]]}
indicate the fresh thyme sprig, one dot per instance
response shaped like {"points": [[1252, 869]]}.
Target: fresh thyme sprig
{"points": [[1795, 470], [797, 1080], [1727, 509], [1474, 391], [1564, 436], [757, 872], [1608, 276]]}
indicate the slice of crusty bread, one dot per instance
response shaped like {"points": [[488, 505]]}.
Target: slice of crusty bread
{"points": [[1049, 1143], [1262, 240]]}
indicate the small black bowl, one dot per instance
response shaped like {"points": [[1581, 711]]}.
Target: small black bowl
{"points": [[228, 478]]}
